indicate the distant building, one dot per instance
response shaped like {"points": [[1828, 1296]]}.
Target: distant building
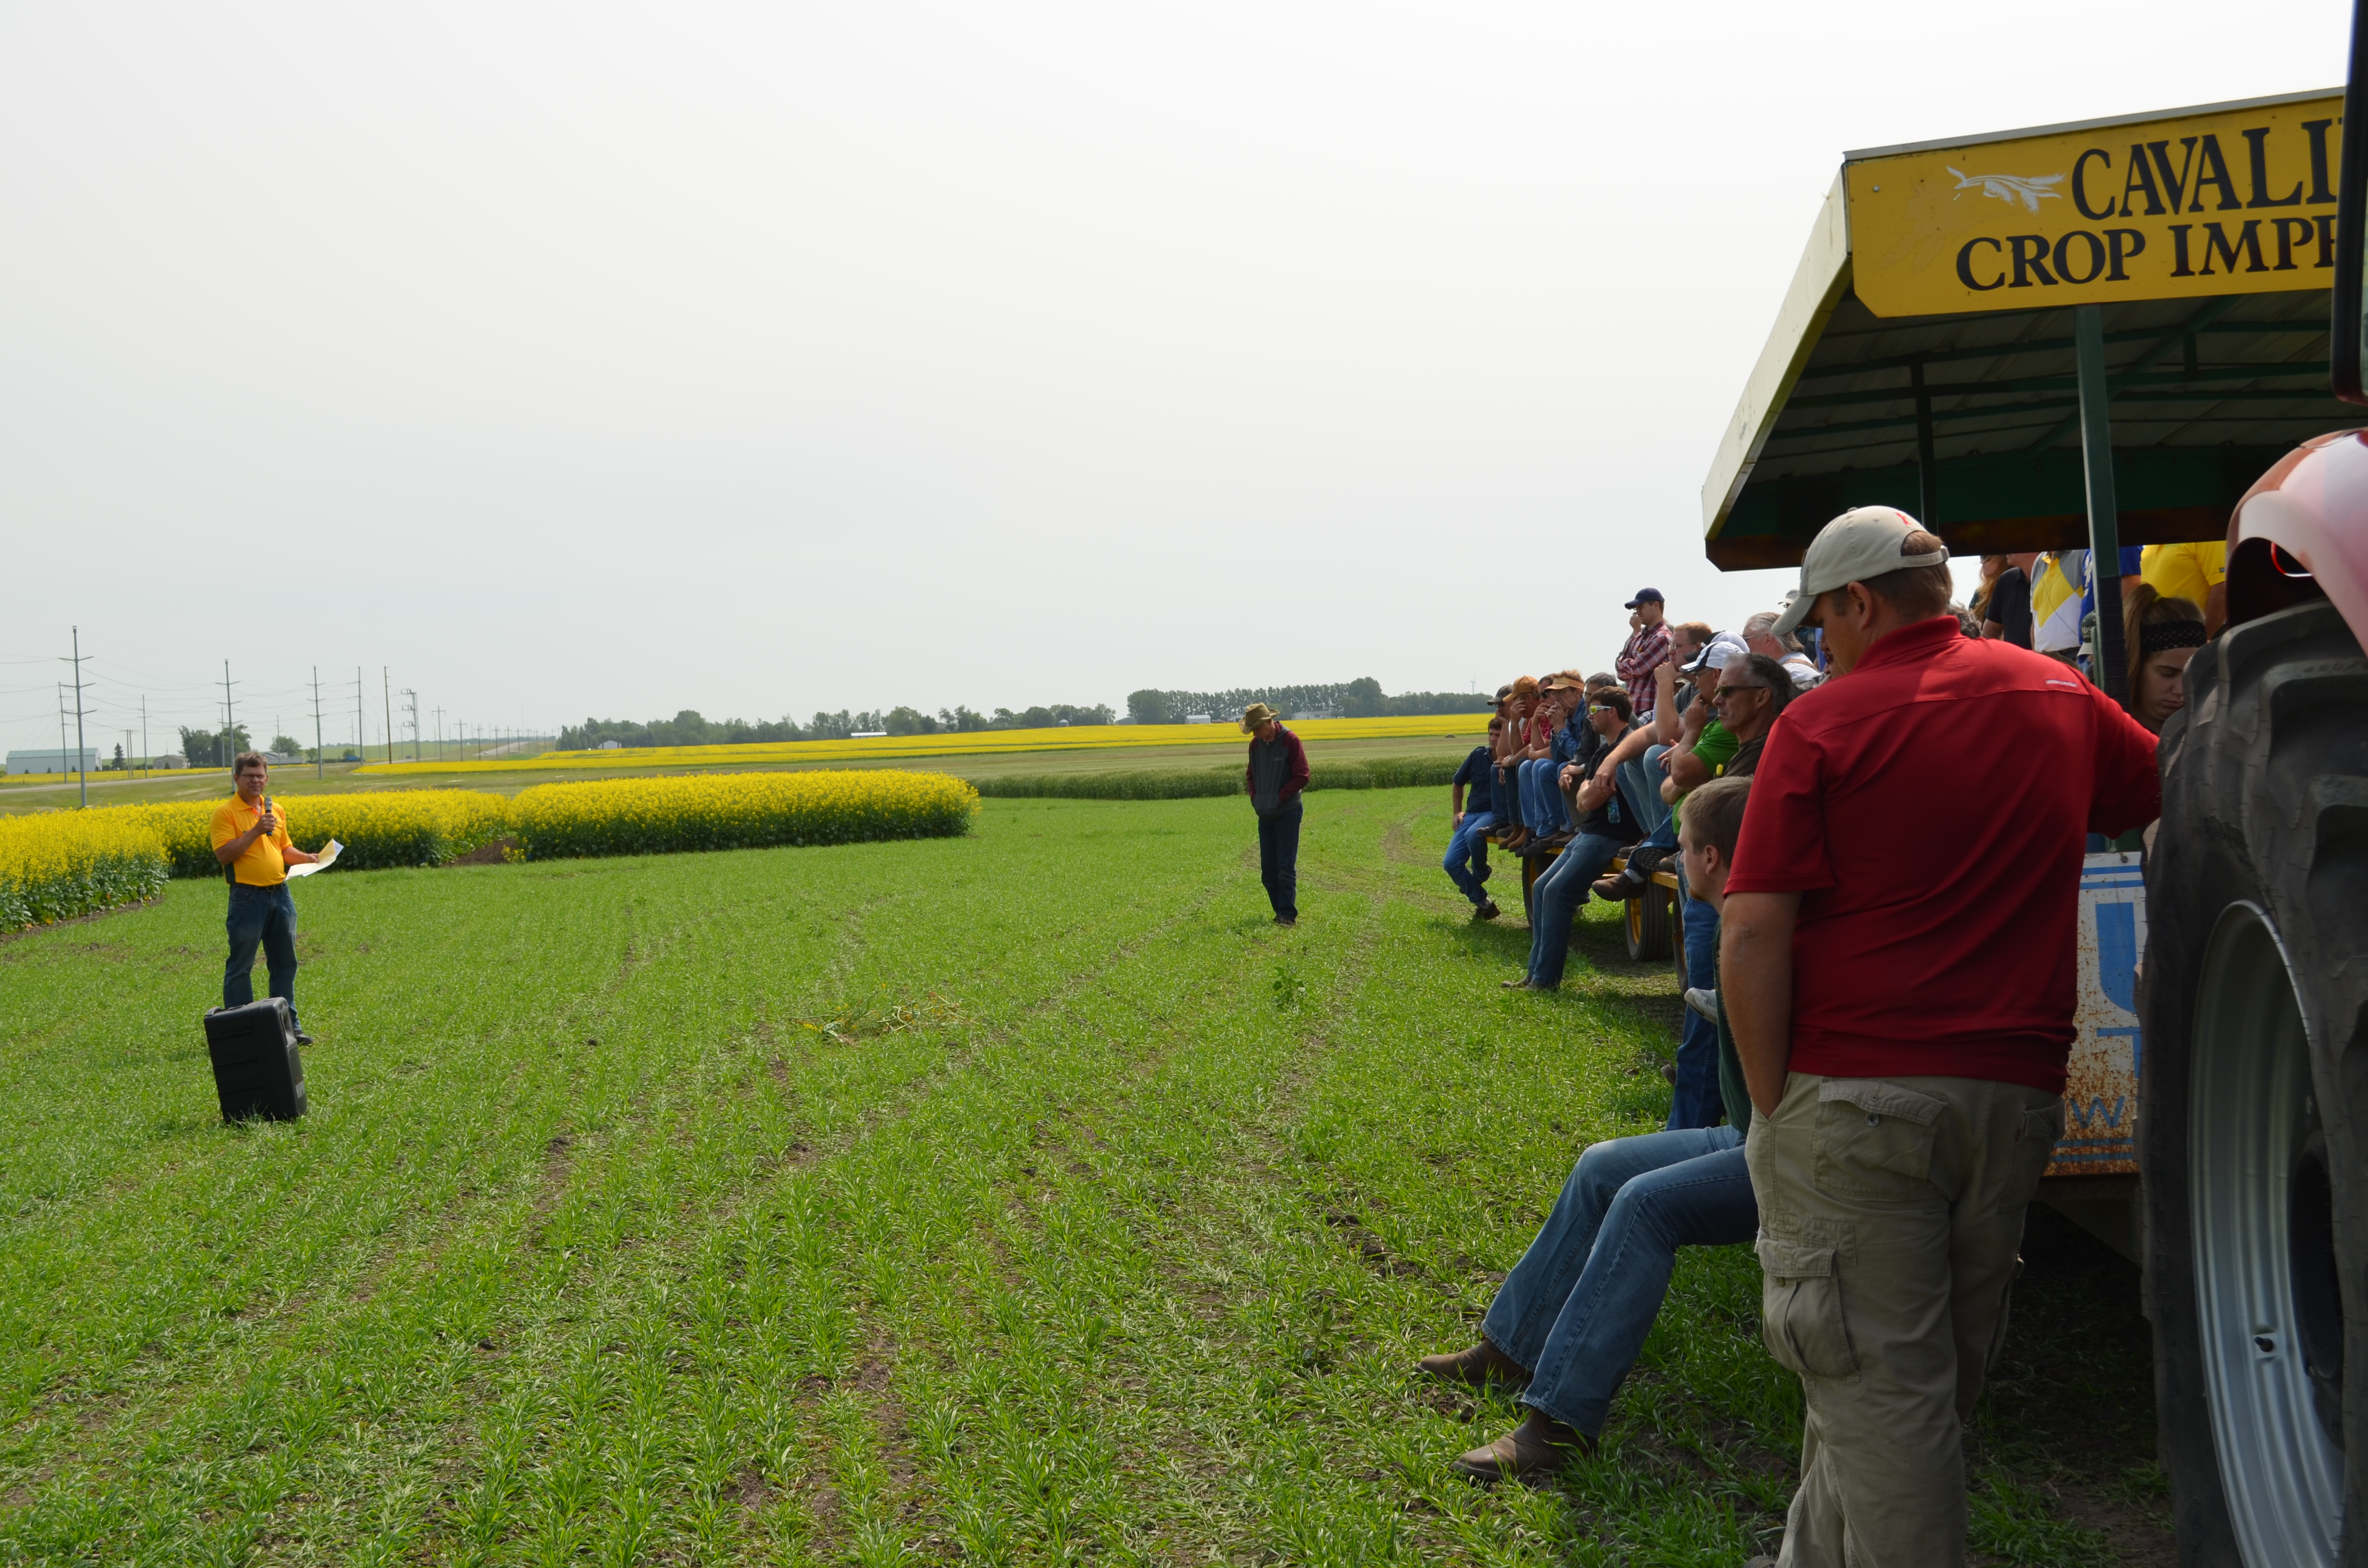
{"points": [[612, 745], [171, 759], [1315, 713], [868, 735], [1196, 718], [53, 761]]}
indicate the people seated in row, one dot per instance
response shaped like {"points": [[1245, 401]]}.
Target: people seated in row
{"points": [[1554, 730], [1600, 833]]}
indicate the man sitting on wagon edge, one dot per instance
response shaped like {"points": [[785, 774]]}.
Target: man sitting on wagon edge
{"points": [[1574, 1314]]}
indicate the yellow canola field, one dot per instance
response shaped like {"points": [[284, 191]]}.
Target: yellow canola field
{"points": [[57, 865], [405, 827], [61, 864], [977, 743], [736, 810]]}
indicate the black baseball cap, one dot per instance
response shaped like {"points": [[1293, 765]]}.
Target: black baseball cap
{"points": [[1643, 594]]}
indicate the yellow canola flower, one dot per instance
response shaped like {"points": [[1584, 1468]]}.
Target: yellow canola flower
{"points": [[737, 811], [399, 827], [57, 865], [976, 743]]}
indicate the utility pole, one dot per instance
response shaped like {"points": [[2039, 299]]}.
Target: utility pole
{"points": [[62, 732], [359, 750], [386, 696], [230, 714], [148, 758], [411, 705], [320, 768], [440, 733], [82, 755]]}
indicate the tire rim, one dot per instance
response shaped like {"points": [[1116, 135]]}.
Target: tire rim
{"points": [[2252, 1125]]}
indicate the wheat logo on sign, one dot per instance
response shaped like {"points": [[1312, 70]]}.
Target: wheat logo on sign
{"points": [[2029, 189]]}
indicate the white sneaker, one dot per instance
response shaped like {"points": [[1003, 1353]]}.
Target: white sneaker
{"points": [[1702, 1000]]}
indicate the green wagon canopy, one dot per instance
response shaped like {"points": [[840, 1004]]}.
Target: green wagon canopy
{"points": [[1974, 320]]}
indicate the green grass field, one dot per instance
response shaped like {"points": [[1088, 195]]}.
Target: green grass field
{"points": [[1016, 1199]]}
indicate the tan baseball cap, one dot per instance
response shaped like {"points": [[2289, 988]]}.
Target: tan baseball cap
{"points": [[1864, 542]]}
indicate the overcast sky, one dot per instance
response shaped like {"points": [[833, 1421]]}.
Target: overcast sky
{"points": [[619, 359]]}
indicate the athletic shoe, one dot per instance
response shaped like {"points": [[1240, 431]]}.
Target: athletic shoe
{"points": [[1703, 999]]}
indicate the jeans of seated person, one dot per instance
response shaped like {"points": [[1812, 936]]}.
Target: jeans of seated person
{"points": [[1508, 791], [1640, 785], [1279, 859], [1576, 1308], [1467, 855], [1541, 796], [1697, 1102], [1554, 899]]}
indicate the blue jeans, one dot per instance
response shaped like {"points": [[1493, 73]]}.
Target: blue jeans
{"points": [[1541, 796], [1640, 785], [1554, 899], [265, 916], [1507, 788], [1467, 855], [1279, 858], [1576, 1308], [1697, 1102]]}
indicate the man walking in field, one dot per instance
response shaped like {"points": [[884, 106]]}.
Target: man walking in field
{"points": [[250, 839], [1278, 772]]}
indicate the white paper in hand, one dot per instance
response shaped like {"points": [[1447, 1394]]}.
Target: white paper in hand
{"points": [[328, 859]]}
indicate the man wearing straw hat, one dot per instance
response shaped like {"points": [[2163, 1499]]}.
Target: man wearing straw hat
{"points": [[1278, 772]]}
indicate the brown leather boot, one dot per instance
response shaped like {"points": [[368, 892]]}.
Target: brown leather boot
{"points": [[1539, 1445], [1477, 1368]]}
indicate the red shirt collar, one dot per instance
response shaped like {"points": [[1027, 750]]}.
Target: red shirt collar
{"points": [[1912, 644]]}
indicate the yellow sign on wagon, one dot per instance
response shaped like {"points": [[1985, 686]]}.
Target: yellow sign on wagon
{"points": [[2236, 201]]}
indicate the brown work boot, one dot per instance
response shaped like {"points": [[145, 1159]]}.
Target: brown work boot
{"points": [[1475, 1368], [1487, 910], [1537, 1447]]}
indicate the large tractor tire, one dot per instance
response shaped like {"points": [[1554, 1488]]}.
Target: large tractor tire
{"points": [[2253, 1108]]}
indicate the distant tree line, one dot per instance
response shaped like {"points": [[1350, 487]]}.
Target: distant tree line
{"points": [[1361, 698], [214, 748], [689, 729]]}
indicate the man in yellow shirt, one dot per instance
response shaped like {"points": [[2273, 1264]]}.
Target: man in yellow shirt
{"points": [[250, 838], [2196, 572]]}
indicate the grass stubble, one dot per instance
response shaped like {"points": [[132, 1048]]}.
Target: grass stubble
{"points": [[1016, 1199]]}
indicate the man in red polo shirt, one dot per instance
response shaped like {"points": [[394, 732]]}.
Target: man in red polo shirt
{"points": [[1898, 970]]}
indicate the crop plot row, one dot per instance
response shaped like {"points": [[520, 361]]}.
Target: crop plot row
{"points": [[58, 865]]}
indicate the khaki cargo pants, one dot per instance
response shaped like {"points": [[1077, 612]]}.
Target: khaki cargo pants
{"points": [[1890, 1217]]}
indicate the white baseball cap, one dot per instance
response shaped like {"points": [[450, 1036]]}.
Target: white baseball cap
{"points": [[1718, 653], [1864, 542]]}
